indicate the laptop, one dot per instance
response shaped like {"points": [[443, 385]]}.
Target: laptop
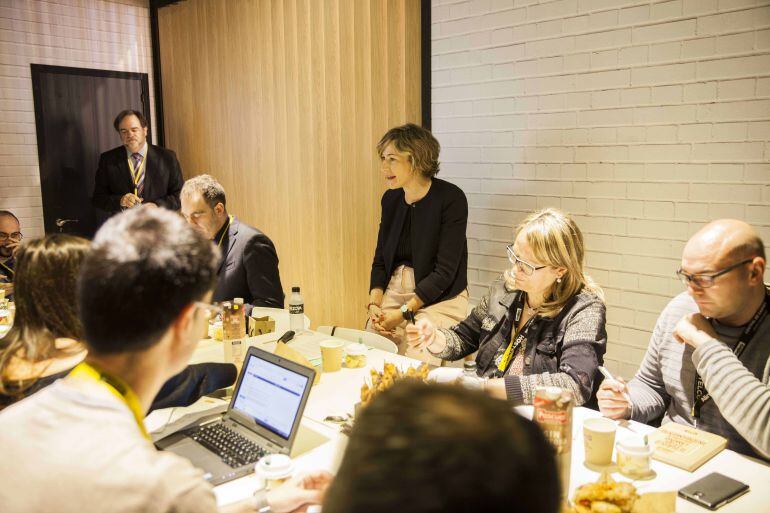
{"points": [[263, 417]]}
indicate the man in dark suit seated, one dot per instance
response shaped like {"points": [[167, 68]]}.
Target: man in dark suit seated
{"points": [[249, 266], [136, 172]]}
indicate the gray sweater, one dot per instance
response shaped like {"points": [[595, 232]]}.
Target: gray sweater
{"points": [[739, 408]]}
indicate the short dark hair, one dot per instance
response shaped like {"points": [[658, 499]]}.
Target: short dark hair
{"points": [[8, 213], [419, 448], [145, 266], [208, 187], [419, 143], [129, 112]]}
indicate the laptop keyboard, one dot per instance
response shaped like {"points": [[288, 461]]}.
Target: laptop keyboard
{"points": [[234, 449]]}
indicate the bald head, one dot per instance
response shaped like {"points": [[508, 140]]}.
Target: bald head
{"points": [[724, 241], [732, 254]]}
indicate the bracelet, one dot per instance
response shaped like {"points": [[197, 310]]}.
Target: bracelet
{"points": [[370, 305]]}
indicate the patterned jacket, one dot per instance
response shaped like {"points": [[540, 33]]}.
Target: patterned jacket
{"points": [[563, 351]]}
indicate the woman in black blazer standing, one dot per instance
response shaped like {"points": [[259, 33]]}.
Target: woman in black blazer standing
{"points": [[420, 264]]}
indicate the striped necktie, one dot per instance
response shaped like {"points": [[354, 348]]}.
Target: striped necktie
{"points": [[139, 180]]}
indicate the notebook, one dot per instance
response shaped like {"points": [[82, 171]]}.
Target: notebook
{"points": [[263, 417], [685, 447]]}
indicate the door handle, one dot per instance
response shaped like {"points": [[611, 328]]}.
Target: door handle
{"points": [[61, 222]]}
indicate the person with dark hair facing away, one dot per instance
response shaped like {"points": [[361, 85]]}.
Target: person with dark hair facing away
{"points": [[45, 342], [10, 237], [249, 265], [419, 448], [143, 294], [420, 263], [136, 172]]}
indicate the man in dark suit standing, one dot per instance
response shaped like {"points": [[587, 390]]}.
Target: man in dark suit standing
{"points": [[136, 172], [249, 266]]}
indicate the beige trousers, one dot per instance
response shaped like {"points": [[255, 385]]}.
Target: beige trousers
{"points": [[443, 315]]}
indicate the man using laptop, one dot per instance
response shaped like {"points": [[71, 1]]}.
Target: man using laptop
{"points": [[80, 444]]}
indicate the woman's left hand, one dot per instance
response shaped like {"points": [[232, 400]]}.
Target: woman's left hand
{"points": [[390, 319]]}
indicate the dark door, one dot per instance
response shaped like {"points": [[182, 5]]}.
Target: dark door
{"points": [[74, 111]]}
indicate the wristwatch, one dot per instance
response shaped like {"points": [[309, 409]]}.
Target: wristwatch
{"points": [[406, 313]]}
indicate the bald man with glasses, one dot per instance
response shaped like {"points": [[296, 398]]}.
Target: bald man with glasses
{"points": [[10, 238], [708, 362]]}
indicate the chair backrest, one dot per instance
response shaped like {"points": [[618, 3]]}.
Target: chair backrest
{"points": [[367, 337]]}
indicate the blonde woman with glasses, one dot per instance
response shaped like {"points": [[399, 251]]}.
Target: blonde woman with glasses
{"points": [[542, 323]]}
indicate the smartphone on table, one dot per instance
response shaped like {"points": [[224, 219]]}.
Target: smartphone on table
{"points": [[713, 491]]}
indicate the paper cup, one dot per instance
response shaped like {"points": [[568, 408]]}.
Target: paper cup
{"points": [[274, 469], [599, 439], [331, 355]]}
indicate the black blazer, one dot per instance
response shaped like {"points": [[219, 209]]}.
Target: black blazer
{"points": [[249, 268], [162, 179], [439, 246]]}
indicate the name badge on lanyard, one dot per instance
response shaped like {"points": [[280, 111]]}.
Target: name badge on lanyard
{"points": [[700, 395]]}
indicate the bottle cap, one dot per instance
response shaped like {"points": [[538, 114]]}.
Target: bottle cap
{"points": [[295, 289]]}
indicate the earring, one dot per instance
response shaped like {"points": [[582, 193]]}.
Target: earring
{"points": [[558, 280]]}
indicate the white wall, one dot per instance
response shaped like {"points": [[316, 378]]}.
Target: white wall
{"points": [[103, 34], [644, 119]]}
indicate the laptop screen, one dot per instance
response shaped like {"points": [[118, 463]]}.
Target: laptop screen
{"points": [[270, 394]]}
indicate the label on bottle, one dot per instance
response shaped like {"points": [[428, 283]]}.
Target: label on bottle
{"points": [[297, 309]]}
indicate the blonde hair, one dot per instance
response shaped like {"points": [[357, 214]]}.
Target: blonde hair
{"points": [[556, 240]]}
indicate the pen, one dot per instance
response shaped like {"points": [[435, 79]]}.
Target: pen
{"points": [[608, 375]]}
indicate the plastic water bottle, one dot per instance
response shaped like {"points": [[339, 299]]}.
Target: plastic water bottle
{"points": [[296, 311], [470, 378]]}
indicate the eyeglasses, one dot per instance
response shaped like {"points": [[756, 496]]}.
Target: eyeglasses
{"points": [[15, 236], [209, 310], [523, 266], [704, 281]]}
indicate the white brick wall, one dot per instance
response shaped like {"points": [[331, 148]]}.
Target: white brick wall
{"points": [[103, 34], [644, 119]]}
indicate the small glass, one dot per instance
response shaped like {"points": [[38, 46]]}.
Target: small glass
{"points": [[635, 457]]}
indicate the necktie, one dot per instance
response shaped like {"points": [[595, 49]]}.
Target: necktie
{"points": [[139, 180]]}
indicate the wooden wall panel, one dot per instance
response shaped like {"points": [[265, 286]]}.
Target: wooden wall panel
{"points": [[283, 101]]}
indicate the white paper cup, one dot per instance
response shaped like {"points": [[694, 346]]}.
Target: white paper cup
{"points": [[273, 469], [599, 440], [331, 355]]}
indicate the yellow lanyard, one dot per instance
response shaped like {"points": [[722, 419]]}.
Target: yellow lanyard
{"points": [[222, 237], [7, 268], [508, 354], [135, 174], [117, 387]]}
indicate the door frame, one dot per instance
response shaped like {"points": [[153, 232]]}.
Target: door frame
{"points": [[38, 69]]}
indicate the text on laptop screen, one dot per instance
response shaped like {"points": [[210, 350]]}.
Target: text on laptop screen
{"points": [[271, 395]]}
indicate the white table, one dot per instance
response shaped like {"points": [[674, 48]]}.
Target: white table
{"points": [[337, 393], [668, 478]]}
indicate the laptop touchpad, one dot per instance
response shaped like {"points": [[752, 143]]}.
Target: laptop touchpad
{"points": [[306, 440], [199, 456]]}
